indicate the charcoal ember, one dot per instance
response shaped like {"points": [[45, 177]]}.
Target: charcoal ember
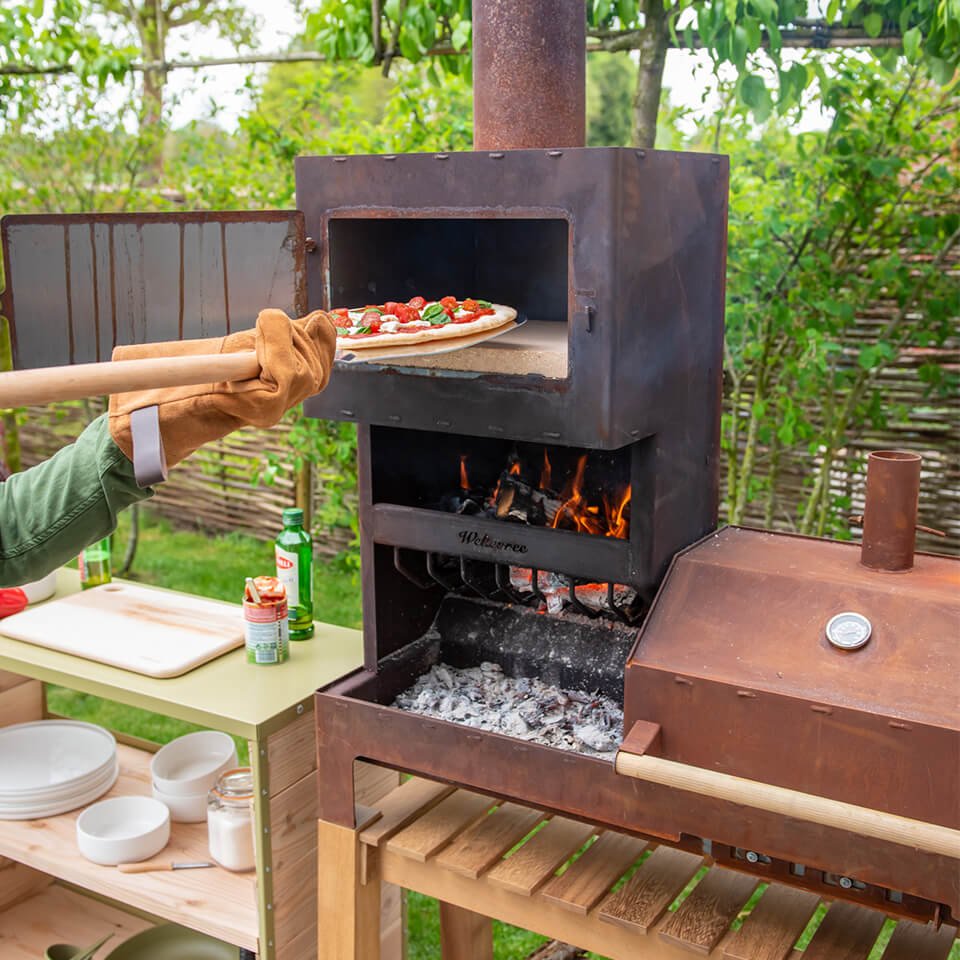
{"points": [[556, 591], [485, 698], [461, 502], [518, 500]]}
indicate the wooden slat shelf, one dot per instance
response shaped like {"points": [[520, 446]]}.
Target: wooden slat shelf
{"points": [[567, 886], [58, 914], [213, 901]]}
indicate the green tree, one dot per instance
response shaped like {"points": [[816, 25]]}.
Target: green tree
{"points": [[823, 227], [745, 34]]}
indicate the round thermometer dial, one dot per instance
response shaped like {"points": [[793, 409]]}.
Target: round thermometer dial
{"points": [[849, 630]]}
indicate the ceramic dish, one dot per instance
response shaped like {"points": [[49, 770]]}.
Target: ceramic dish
{"points": [[189, 809], [170, 942], [34, 810], [123, 830], [190, 765], [51, 754]]}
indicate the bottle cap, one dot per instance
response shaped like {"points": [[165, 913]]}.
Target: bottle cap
{"points": [[292, 516]]}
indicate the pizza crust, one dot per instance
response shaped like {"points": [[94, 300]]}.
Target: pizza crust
{"points": [[447, 331]]}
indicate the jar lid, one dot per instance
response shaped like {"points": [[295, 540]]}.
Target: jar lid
{"points": [[236, 784]]}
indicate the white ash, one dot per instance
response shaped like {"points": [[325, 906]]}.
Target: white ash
{"points": [[525, 707]]}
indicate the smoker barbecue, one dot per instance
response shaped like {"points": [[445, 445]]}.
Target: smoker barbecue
{"points": [[502, 487]]}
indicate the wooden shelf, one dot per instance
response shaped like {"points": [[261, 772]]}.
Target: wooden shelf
{"points": [[213, 901], [57, 914]]}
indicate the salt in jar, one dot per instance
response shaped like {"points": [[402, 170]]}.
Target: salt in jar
{"points": [[230, 820]]}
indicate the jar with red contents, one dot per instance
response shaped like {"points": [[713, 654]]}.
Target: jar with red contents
{"points": [[265, 620]]}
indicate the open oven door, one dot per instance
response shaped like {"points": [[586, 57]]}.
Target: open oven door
{"points": [[78, 285]]}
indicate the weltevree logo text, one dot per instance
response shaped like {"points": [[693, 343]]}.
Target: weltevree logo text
{"points": [[473, 539]]}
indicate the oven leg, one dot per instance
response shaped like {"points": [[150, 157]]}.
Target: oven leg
{"points": [[464, 935], [348, 896]]}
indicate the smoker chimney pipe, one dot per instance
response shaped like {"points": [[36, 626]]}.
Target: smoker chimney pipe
{"points": [[890, 510], [529, 74]]}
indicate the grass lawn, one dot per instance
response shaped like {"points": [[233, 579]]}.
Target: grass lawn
{"points": [[215, 566]]}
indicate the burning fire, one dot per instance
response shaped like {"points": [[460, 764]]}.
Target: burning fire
{"points": [[464, 479], [546, 473], [576, 513]]}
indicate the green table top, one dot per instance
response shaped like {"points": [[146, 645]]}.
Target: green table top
{"points": [[227, 693]]}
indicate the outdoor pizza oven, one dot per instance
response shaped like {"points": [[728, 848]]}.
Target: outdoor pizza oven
{"points": [[521, 502]]}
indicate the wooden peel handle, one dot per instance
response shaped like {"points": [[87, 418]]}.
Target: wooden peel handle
{"points": [[20, 388], [930, 837]]}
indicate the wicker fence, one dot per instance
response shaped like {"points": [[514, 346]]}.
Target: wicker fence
{"points": [[214, 489]]}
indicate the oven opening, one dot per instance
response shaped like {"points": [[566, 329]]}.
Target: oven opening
{"points": [[519, 262], [539, 485]]}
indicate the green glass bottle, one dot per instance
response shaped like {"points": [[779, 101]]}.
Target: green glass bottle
{"points": [[94, 563], [294, 552]]}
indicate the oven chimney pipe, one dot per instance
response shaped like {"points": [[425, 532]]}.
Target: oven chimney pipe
{"points": [[890, 510], [529, 74]]}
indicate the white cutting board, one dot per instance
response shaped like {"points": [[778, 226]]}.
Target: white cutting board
{"points": [[154, 632]]}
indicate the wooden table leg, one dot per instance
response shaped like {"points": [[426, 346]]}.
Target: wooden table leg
{"points": [[348, 898], [464, 935]]}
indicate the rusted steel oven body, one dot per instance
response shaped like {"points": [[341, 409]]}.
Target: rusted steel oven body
{"points": [[617, 259]]}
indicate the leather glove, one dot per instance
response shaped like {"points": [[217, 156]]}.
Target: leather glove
{"points": [[295, 358]]}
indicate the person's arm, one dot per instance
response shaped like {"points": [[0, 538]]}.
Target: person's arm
{"points": [[50, 512]]}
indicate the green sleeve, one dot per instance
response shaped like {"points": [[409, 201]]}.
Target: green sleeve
{"points": [[50, 512]]}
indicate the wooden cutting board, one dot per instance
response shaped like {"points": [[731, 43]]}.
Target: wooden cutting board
{"points": [[154, 632]]}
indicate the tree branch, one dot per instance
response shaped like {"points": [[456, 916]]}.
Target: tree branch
{"points": [[820, 37]]}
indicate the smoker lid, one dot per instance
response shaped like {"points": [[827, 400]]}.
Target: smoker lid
{"points": [[751, 607]]}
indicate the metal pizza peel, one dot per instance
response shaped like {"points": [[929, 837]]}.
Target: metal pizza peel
{"points": [[411, 350]]}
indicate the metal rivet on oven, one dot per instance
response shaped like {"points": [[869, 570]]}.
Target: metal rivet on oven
{"points": [[394, 418], [442, 156], [299, 709], [309, 244], [641, 154], [753, 856], [634, 433], [339, 159], [683, 681], [495, 156], [389, 156], [554, 153], [346, 413], [846, 883], [443, 423], [551, 434]]}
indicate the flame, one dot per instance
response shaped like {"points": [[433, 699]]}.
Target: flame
{"points": [[618, 520], [546, 473], [515, 468], [464, 479], [577, 514]]}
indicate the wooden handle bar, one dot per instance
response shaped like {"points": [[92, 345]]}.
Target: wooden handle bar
{"points": [[48, 384], [145, 866], [930, 837]]}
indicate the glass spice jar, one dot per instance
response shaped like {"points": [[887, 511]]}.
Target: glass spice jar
{"points": [[230, 832]]}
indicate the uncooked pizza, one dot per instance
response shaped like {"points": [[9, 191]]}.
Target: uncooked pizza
{"points": [[416, 321]]}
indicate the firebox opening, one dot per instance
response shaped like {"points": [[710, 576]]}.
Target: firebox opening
{"points": [[540, 485], [520, 262], [504, 668]]}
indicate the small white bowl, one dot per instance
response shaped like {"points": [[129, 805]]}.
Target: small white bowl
{"points": [[190, 809], [190, 765], [123, 830]]}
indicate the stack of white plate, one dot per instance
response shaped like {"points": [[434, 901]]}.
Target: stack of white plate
{"points": [[52, 766]]}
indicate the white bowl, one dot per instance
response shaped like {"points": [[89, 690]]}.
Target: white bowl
{"points": [[190, 765], [189, 809], [41, 589], [123, 830]]}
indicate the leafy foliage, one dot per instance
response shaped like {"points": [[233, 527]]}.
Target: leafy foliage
{"points": [[822, 226]]}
